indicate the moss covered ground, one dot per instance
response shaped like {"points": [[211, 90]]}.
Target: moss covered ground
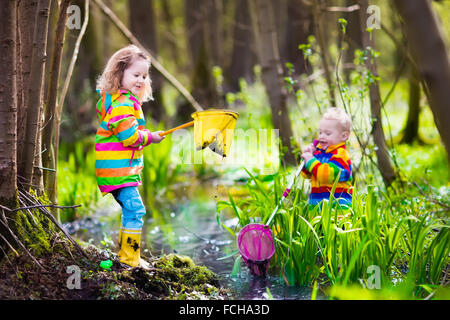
{"points": [[169, 276]]}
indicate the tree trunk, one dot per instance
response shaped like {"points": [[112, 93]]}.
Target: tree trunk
{"points": [[37, 180], [353, 38], [411, 130], [431, 57], [143, 26], [281, 20], [396, 24], [8, 102], [300, 26], [48, 156], [272, 73], [36, 81], [243, 55], [214, 28], [383, 158], [169, 34], [26, 17], [319, 22], [203, 85], [20, 114], [194, 28]]}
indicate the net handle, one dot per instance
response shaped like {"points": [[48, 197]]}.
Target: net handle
{"points": [[162, 134], [286, 192]]}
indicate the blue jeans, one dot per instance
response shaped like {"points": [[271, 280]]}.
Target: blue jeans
{"points": [[133, 208]]}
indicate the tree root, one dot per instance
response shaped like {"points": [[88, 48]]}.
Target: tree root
{"points": [[12, 239]]}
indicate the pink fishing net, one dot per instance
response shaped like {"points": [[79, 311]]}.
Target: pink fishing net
{"points": [[255, 243]]}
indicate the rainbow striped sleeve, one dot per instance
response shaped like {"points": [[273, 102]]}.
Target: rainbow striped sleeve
{"points": [[327, 172], [124, 125], [305, 173]]}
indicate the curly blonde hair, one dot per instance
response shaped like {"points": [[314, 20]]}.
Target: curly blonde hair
{"points": [[344, 120], [111, 79]]}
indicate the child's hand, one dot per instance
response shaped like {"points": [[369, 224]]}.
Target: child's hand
{"points": [[309, 149], [307, 156], [156, 138]]}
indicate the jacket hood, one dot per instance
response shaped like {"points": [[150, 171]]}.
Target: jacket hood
{"points": [[105, 102]]}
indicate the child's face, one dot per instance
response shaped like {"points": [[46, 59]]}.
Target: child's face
{"points": [[331, 133], [134, 76]]}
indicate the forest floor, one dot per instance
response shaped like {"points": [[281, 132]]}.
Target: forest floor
{"points": [[67, 274]]}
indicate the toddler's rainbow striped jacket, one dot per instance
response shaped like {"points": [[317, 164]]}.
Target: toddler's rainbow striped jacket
{"points": [[323, 170], [119, 141]]}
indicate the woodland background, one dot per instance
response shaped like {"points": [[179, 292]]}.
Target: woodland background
{"points": [[280, 64]]}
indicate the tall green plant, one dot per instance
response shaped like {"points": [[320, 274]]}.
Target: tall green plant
{"points": [[76, 179], [339, 246], [158, 174]]}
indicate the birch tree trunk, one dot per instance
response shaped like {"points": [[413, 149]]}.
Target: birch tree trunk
{"points": [[431, 57], [8, 102], [36, 81], [383, 158], [272, 73]]}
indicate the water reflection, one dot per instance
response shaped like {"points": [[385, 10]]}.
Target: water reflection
{"points": [[198, 235], [249, 287], [190, 228]]}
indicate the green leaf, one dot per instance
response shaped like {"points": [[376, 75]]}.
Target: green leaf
{"points": [[343, 24], [236, 267], [353, 259], [314, 292], [228, 256]]}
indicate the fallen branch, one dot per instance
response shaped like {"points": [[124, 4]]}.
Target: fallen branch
{"points": [[4, 222], [39, 206], [431, 199], [47, 213], [343, 9], [9, 245]]}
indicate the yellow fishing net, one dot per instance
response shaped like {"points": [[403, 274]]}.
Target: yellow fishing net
{"points": [[214, 129]]}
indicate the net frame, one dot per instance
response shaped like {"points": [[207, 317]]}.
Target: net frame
{"points": [[256, 246]]}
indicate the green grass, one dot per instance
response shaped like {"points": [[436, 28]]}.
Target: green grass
{"points": [[77, 182], [158, 174], [403, 230], [385, 231]]}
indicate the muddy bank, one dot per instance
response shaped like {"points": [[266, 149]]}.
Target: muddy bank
{"points": [[66, 274]]}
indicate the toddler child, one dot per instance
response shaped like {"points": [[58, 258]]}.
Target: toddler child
{"points": [[120, 139], [329, 159]]}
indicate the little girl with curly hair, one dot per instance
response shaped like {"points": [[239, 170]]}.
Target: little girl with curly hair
{"points": [[120, 139]]}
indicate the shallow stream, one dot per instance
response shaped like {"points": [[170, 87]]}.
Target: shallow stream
{"points": [[190, 228]]}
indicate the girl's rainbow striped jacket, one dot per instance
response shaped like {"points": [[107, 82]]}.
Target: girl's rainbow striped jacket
{"points": [[324, 168], [119, 141]]}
